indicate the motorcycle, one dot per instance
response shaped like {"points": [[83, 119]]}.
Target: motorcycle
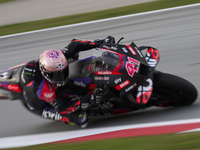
{"points": [[126, 77]]}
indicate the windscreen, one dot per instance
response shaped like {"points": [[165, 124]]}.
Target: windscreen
{"points": [[105, 60]]}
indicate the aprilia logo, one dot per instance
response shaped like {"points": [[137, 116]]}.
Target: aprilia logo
{"points": [[51, 115]]}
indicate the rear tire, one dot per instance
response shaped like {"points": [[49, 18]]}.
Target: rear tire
{"points": [[170, 90]]}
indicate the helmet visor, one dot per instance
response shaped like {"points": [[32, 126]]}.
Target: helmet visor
{"points": [[59, 77]]}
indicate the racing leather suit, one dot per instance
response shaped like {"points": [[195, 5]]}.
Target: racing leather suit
{"points": [[43, 98]]}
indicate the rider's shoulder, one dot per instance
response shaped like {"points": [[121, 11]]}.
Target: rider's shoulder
{"points": [[32, 63], [30, 69]]}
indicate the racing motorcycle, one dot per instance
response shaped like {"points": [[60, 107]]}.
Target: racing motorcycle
{"points": [[126, 77]]}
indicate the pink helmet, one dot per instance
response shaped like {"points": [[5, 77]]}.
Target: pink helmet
{"points": [[54, 67]]}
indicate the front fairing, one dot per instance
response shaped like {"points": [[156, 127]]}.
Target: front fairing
{"points": [[122, 67]]}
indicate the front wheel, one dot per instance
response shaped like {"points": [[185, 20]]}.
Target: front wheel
{"points": [[170, 90]]}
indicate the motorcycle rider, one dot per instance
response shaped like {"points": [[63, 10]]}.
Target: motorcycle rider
{"points": [[42, 79]]}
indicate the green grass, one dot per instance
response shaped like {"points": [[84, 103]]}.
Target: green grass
{"points": [[66, 20], [189, 141], [6, 1]]}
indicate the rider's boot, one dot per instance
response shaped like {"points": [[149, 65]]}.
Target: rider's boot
{"points": [[83, 119]]}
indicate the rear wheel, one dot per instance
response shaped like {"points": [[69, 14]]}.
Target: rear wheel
{"points": [[171, 90]]}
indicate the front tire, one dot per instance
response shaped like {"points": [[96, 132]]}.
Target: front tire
{"points": [[170, 90]]}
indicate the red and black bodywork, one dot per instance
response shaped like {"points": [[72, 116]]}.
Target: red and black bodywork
{"points": [[122, 70]]}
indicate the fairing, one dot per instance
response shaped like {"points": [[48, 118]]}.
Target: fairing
{"points": [[122, 67]]}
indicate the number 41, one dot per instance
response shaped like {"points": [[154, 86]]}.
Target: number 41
{"points": [[132, 66]]}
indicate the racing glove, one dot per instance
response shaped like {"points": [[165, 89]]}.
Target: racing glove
{"points": [[92, 100], [109, 39], [98, 42]]}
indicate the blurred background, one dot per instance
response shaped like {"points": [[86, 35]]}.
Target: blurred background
{"points": [[175, 33], [17, 11]]}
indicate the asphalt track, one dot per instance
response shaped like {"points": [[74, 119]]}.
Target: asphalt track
{"points": [[174, 33]]}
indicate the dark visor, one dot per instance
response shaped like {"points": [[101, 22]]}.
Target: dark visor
{"points": [[59, 76]]}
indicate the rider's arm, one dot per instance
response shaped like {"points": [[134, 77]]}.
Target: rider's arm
{"points": [[77, 45]]}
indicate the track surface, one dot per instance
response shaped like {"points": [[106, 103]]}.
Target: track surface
{"points": [[175, 33]]}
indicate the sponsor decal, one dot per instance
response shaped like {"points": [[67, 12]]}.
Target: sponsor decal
{"points": [[138, 52], [118, 80], [124, 50], [79, 83], [106, 47], [122, 85], [53, 54], [131, 49], [106, 72], [51, 115], [130, 87], [48, 95], [114, 48], [60, 66], [132, 66], [30, 70], [101, 78], [13, 87]]}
